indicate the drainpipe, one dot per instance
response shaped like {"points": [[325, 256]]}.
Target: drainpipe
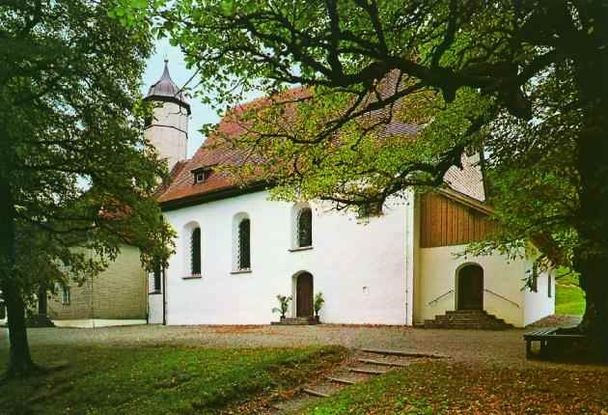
{"points": [[164, 288]]}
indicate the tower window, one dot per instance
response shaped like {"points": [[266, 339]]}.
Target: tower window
{"points": [[195, 252]]}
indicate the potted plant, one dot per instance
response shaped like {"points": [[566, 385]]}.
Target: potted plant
{"points": [[318, 304], [283, 305]]}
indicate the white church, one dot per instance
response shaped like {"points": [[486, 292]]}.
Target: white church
{"points": [[236, 250]]}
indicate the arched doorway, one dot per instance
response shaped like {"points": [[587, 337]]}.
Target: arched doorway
{"points": [[304, 295], [470, 287]]}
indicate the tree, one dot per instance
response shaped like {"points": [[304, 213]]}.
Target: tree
{"points": [[469, 69], [77, 179]]}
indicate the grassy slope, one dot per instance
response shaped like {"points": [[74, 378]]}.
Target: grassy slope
{"points": [[102, 380], [441, 387], [570, 299]]}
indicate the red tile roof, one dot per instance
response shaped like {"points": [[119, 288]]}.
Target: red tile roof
{"points": [[217, 150]]}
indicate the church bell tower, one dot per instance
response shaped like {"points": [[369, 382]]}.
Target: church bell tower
{"points": [[168, 129]]}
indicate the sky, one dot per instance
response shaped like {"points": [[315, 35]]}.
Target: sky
{"points": [[201, 114]]}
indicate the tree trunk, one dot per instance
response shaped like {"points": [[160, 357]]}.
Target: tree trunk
{"points": [[42, 302], [591, 255], [20, 362]]}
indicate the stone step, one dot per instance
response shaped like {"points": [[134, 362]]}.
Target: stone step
{"points": [[344, 373], [341, 380], [465, 327], [295, 321], [382, 362], [314, 392], [467, 319], [467, 312], [368, 371], [401, 353]]}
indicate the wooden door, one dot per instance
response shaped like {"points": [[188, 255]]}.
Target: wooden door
{"points": [[470, 288], [304, 294]]}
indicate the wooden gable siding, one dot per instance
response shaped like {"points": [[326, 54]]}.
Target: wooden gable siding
{"points": [[444, 222]]}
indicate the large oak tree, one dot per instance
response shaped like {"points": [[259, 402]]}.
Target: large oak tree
{"points": [[525, 79], [76, 176]]}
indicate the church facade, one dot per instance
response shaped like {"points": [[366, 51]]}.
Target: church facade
{"points": [[237, 250]]}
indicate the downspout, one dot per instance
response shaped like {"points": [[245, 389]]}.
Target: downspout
{"points": [[410, 242], [164, 288]]}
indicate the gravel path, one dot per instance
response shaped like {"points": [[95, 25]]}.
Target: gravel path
{"points": [[474, 346]]}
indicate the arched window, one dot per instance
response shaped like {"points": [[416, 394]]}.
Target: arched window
{"points": [[195, 251], [244, 244], [304, 227]]}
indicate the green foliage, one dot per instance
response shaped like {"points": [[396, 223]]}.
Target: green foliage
{"points": [[522, 82], [143, 380], [457, 69], [318, 302], [80, 177], [283, 305]]}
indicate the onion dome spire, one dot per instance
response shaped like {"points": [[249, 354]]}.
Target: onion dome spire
{"points": [[166, 90]]}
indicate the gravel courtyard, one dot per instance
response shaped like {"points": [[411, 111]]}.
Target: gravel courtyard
{"points": [[503, 348]]}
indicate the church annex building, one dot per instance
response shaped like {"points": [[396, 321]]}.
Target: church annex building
{"points": [[236, 250]]}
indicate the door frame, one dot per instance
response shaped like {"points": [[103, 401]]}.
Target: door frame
{"points": [[296, 279], [457, 285]]}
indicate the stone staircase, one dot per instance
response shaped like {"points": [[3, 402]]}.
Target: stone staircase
{"points": [[467, 319], [296, 321], [364, 365]]}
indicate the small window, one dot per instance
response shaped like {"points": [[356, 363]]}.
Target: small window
{"points": [[304, 227], [549, 286], [195, 252], [201, 176], [157, 278], [65, 295], [244, 247], [533, 280]]}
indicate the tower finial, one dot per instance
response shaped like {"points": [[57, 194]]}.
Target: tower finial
{"points": [[165, 74]]}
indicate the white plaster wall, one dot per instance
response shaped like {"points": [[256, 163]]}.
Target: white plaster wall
{"points": [[359, 268], [538, 304], [168, 132], [155, 308], [437, 275]]}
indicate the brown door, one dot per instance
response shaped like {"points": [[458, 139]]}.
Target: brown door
{"points": [[470, 288], [304, 292]]}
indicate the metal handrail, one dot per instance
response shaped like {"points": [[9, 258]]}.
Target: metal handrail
{"points": [[441, 296], [502, 297]]}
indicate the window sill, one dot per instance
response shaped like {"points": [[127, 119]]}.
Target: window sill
{"points": [[155, 292], [192, 277], [301, 248], [241, 271]]}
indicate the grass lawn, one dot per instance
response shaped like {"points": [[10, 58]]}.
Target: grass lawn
{"points": [[458, 388], [569, 299], [144, 380]]}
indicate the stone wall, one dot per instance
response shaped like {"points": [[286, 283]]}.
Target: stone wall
{"points": [[120, 292]]}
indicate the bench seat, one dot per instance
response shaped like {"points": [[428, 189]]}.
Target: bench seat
{"points": [[546, 336]]}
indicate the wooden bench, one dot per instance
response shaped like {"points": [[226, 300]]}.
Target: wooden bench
{"points": [[545, 337]]}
